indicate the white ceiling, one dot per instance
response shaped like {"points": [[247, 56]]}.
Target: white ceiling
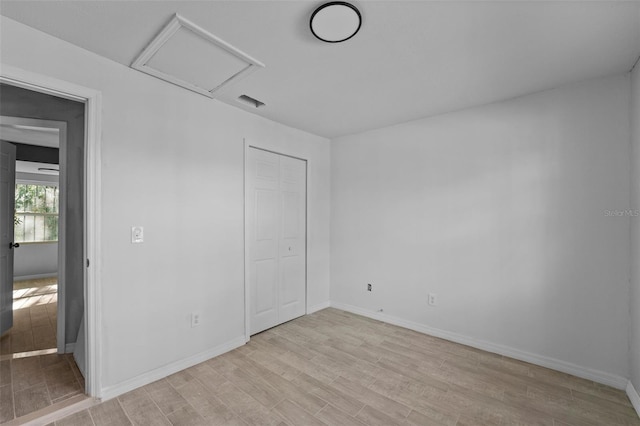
{"points": [[30, 135], [411, 59]]}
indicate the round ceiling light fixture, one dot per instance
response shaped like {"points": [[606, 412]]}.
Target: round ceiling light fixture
{"points": [[335, 21]]}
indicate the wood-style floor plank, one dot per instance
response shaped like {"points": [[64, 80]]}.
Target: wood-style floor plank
{"points": [[337, 368]]}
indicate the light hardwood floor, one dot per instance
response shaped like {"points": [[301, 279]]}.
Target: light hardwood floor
{"points": [[37, 382], [336, 368], [34, 317]]}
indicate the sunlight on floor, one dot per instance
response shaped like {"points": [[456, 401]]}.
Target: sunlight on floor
{"points": [[32, 296], [35, 310], [41, 291]]}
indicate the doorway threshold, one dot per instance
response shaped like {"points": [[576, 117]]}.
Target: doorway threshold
{"points": [[28, 354], [55, 412]]}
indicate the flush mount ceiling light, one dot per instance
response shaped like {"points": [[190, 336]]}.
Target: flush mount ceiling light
{"points": [[335, 22]]}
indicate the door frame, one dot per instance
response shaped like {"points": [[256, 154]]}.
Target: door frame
{"points": [[247, 285], [92, 100], [62, 213]]}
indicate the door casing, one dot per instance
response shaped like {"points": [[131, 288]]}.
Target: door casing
{"points": [[92, 205]]}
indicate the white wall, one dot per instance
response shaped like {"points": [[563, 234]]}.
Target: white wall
{"points": [[635, 229], [31, 260], [172, 161], [500, 211]]}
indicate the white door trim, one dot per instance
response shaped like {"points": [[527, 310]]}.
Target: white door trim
{"points": [[62, 214], [93, 104], [247, 286]]}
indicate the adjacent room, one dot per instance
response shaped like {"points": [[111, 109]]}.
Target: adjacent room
{"points": [[308, 213], [43, 306]]}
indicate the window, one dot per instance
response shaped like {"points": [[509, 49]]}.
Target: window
{"points": [[36, 218]]}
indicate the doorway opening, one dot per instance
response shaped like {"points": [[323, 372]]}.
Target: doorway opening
{"points": [[37, 279], [39, 220], [34, 345], [81, 314]]}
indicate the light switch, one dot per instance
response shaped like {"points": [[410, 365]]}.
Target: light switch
{"points": [[137, 234]]}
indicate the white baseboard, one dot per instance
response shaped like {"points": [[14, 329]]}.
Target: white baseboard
{"points": [[318, 307], [159, 373], [35, 277], [70, 348], [633, 397], [608, 379]]}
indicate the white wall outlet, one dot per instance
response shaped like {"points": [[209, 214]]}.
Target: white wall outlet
{"points": [[432, 299], [195, 319], [137, 234]]}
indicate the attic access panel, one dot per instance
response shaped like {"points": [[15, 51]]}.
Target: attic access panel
{"points": [[189, 56]]}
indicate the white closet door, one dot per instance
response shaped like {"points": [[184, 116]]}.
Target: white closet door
{"points": [[293, 201], [263, 223], [276, 228]]}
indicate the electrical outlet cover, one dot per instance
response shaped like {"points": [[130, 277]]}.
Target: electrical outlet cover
{"points": [[432, 299], [195, 319]]}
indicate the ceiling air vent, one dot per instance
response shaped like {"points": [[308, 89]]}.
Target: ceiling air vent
{"points": [[189, 56], [248, 100]]}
